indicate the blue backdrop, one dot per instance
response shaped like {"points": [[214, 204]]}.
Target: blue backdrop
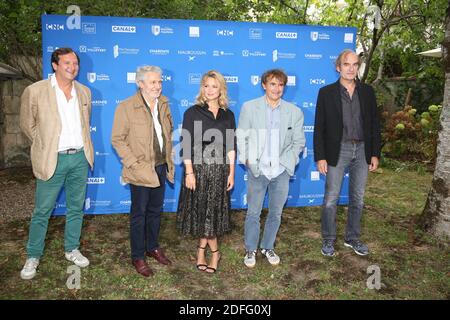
{"points": [[111, 48]]}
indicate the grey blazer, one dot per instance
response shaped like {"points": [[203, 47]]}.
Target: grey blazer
{"points": [[251, 135]]}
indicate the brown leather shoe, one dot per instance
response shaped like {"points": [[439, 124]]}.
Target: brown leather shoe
{"points": [[158, 254], [142, 267]]}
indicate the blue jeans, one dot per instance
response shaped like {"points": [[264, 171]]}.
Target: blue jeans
{"points": [[351, 155], [278, 192], [145, 215]]}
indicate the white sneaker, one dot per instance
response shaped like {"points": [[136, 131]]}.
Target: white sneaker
{"points": [[76, 257], [271, 256], [250, 259], [29, 269]]}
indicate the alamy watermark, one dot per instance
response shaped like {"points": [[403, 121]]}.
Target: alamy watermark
{"points": [[74, 279], [374, 280]]}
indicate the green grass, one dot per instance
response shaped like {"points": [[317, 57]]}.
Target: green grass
{"points": [[413, 265]]}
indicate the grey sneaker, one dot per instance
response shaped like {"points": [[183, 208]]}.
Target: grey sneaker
{"points": [[328, 248], [76, 257], [250, 259], [29, 269], [271, 256], [357, 246]]}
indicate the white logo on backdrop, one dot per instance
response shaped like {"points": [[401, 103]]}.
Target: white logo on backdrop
{"points": [[255, 34], [348, 38], [156, 30], [194, 32], [125, 29], [254, 80]]}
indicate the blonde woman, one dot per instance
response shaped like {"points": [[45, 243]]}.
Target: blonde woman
{"points": [[208, 152]]}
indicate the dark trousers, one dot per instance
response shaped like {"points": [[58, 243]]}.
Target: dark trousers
{"points": [[145, 215]]}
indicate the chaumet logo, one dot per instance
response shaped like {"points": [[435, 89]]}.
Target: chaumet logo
{"points": [[126, 29]]}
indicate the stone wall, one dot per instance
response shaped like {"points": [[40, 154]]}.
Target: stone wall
{"points": [[14, 145]]}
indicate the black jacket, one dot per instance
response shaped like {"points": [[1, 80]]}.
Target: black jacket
{"points": [[328, 125]]}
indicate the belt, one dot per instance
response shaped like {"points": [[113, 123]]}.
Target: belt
{"points": [[70, 151], [355, 141]]}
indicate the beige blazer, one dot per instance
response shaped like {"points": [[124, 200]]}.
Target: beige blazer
{"points": [[132, 137], [40, 121]]}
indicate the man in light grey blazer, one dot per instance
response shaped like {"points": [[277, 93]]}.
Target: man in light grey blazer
{"points": [[54, 115], [270, 138]]}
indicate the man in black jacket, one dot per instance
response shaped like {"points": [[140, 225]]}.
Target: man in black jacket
{"points": [[346, 135]]}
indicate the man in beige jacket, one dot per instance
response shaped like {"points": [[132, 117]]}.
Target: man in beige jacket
{"points": [[54, 115], [142, 137]]}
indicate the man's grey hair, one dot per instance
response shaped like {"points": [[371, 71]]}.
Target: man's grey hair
{"points": [[142, 70]]}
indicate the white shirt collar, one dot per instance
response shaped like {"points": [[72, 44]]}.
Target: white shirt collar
{"points": [[54, 84]]}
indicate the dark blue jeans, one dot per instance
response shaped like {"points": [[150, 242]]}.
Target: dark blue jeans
{"points": [[352, 156], [145, 215]]}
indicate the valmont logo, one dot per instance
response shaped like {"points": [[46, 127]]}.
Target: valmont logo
{"points": [[194, 32], [89, 28], [231, 79], [348, 38], [308, 128], [255, 34], [166, 78], [225, 33], [54, 27], [126, 29], [94, 129], [96, 180], [316, 81], [286, 35]]}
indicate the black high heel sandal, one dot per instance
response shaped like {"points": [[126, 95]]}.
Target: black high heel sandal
{"points": [[201, 266], [218, 260]]}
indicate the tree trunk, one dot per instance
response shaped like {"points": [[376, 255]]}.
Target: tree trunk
{"points": [[436, 215]]}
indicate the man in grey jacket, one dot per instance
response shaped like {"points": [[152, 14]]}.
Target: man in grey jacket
{"points": [[270, 138]]}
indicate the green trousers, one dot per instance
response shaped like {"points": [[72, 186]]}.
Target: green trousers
{"points": [[71, 172]]}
